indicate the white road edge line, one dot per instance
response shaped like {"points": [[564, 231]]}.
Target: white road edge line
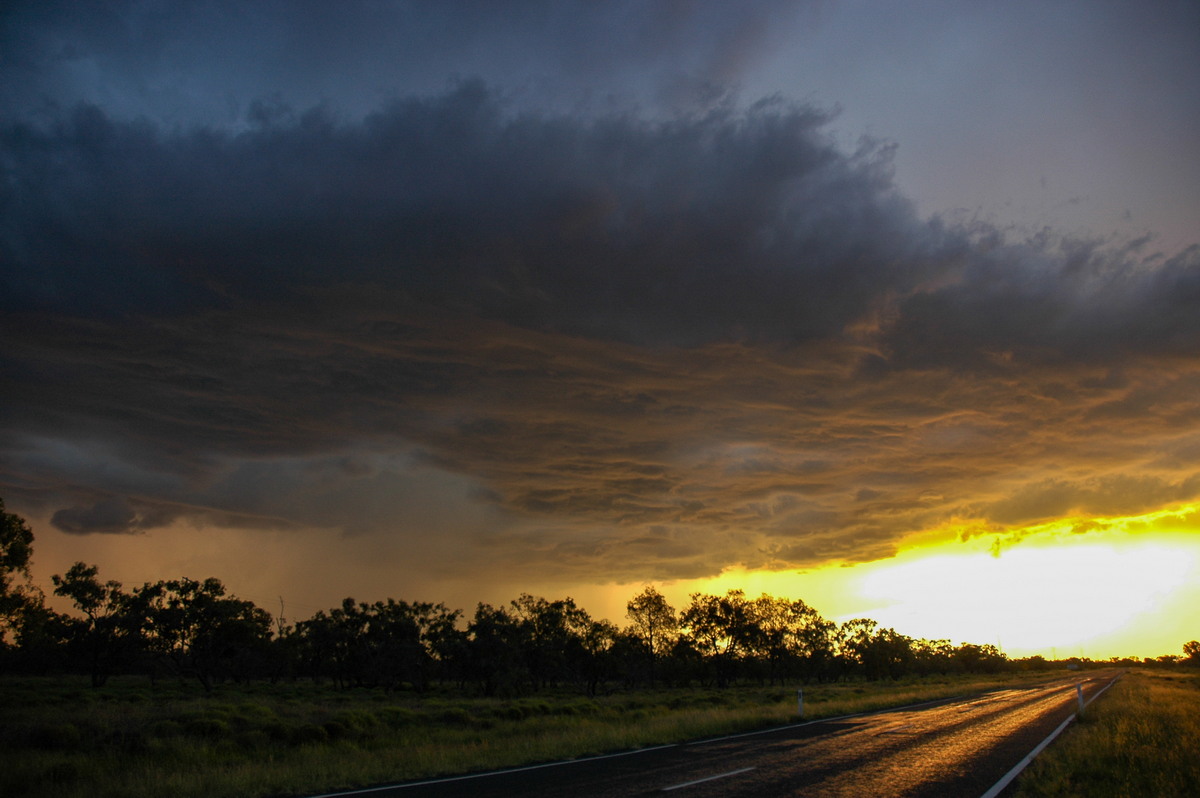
{"points": [[999, 786], [709, 778], [1007, 778], [381, 788]]}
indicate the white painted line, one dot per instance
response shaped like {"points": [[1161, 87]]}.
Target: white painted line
{"points": [[1101, 691], [447, 780], [710, 778], [999, 786]]}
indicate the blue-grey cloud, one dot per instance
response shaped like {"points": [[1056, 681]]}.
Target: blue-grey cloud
{"points": [[210, 62]]}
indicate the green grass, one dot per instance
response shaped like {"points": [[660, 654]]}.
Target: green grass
{"points": [[60, 738], [1141, 738]]}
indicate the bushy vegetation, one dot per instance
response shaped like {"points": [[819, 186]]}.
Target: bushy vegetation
{"points": [[1142, 739]]}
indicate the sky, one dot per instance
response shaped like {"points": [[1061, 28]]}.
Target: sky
{"points": [[886, 306]]}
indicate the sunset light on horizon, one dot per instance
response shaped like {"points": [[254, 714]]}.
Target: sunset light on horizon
{"points": [[1047, 591], [890, 308]]}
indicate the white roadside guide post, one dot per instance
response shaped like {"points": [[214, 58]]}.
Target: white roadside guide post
{"points": [[800, 702], [1079, 695]]}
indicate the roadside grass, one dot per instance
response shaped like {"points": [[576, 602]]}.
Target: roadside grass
{"points": [[60, 738], [1141, 738]]}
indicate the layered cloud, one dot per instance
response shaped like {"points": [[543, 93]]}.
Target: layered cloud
{"points": [[626, 346]]}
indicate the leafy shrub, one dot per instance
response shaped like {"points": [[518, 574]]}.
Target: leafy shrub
{"points": [[277, 730], [308, 734], [578, 707], [456, 716], [207, 727], [357, 719], [62, 773], [166, 728], [56, 737], [254, 716], [253, 740], [398, 717], [127, 738], [508, 712], [338, 730]]}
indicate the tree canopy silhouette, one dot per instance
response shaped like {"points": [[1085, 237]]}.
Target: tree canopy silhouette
{"points": [[193, 628]]}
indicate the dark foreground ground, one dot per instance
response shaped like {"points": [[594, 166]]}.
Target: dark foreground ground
{"points": [[947, 748]]}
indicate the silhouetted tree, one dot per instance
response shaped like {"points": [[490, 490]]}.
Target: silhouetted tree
{"points": [[889, 654], [17, 593], [817, 640], [598, 639], [494, 651], [398, 641], [551, 635], [784, 635], [854, 641], [316, 647], [720, 629], [202, 632], [654, 623], [974, 658], [932, 656], [109, 636]]}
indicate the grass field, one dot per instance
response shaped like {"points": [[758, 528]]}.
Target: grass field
{"points": [[1142, 738], [62, 738]]}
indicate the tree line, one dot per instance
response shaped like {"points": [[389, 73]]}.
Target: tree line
{"points": [[194, 629]]}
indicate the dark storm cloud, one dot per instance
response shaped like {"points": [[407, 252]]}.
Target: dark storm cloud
{"points": [[110, 515], [715, 226], [118, 515], [631, 347]]}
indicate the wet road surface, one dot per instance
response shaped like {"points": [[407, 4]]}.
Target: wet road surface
{"points": [[959, 747]]}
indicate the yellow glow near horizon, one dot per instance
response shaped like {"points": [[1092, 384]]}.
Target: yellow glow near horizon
{"points": [[1125, 587], [1039, 598]]}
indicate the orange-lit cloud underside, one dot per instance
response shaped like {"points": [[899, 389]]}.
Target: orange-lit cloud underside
{"points": [[567, 461], [731, 456]]}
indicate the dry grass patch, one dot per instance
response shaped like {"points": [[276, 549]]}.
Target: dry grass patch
{"points": [[1142, 738]]}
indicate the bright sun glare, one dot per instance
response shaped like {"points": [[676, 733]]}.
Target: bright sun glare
{"points": [[1126, 587], [1035, 598]]}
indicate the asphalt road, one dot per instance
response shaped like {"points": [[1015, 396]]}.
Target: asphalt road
{"points": [[959, 747]]}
